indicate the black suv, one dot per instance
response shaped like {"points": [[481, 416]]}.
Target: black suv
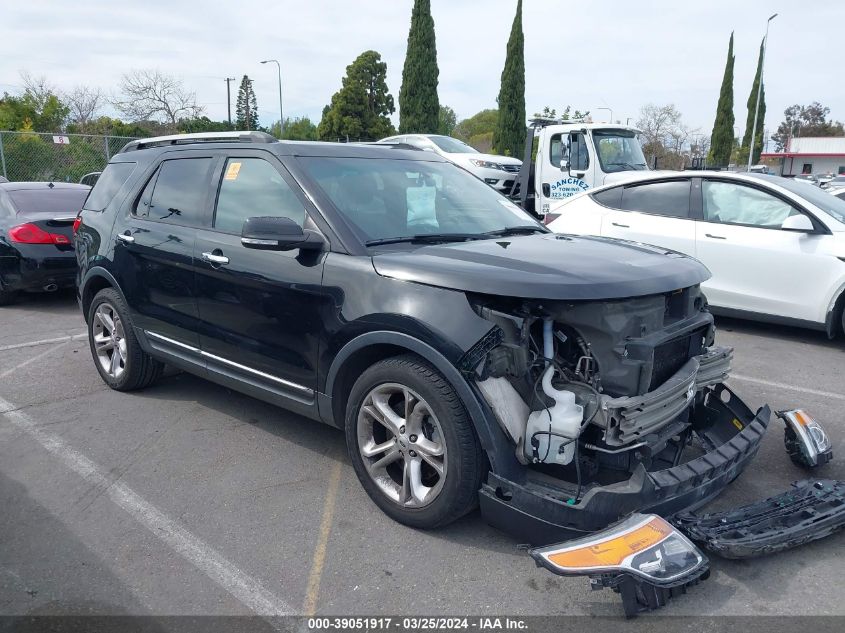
{"points": [[389, 293]]}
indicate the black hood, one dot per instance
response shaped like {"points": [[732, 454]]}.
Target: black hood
{"points": [[545, 266]]}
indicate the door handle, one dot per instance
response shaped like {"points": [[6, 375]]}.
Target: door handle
{"points": [[621, 226], [715, 237], [125, 238], [547, 190], [219, 260]]}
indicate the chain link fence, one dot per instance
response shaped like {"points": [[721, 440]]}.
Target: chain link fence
{"points": [[35, 156]]}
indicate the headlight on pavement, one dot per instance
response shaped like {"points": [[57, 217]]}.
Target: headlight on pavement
{"points": [[805, 440], [644, 545], [644, 558], [486, 164]]}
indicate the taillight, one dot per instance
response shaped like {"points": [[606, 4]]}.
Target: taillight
{"points": [[32, 234], [77, 223]]}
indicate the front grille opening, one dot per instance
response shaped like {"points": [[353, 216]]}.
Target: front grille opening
{"points": [[671, 356]]}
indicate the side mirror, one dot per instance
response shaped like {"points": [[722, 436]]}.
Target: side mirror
{"points": [[278, 234], [800, 223], [564, 164]]}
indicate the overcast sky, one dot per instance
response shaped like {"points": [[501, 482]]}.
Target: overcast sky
{"points": [[618, 54]]}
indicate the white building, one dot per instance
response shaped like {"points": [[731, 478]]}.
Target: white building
{"points": [[811, 155]]}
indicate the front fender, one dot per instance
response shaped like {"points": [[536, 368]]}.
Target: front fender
{"points": [[493, 441]]}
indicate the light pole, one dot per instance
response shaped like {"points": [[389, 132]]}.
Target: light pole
{"points": [[609, 110], [759, 90], [281, 115]]}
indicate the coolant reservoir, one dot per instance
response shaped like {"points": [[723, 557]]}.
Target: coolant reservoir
{"points": [[563, 418]]}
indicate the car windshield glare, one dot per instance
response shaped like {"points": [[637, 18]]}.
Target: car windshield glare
{"points": [[390, 198], [452, 145]]}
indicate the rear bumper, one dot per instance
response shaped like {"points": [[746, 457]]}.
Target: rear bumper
{"points": [[539, 513], [34, 270]]}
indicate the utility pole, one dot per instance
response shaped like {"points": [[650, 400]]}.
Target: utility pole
{"points": [[228, 80]]}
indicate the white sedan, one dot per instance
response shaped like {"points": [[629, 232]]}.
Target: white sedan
{"points": [[775, 247]]}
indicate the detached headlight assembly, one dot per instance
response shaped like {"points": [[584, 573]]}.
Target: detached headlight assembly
{"points": [[643, 558], [486, 164], [805, 440]]}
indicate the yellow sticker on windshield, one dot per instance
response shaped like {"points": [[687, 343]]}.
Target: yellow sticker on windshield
{"points": [[233, 171]]}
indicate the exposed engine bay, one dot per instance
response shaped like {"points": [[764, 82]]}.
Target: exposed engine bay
{"points": [[588, 391]]}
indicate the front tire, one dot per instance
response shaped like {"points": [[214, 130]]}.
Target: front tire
{"points": [[118, 356], [412, 443], [7, 297]]}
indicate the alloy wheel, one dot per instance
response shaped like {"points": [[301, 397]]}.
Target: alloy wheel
{"points": [[109, 340], [401, 443]]}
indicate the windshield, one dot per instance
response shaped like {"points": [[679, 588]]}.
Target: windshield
{"points": [[452, 145], [619, 150], [831, 205], [388, 198]]}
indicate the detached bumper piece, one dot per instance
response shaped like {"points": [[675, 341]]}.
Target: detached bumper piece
{"points": [[643, 558], [811, 510]]}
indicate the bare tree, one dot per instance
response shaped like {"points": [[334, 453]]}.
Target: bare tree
{"points": [[664, 134], [38, 87], [85, 103], [150, 95]]}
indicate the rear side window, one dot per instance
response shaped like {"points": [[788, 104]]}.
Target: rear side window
{"points": [[61, 202], [108, 184], [177, 192], [663, 198], [253, 187], [609, 197]]}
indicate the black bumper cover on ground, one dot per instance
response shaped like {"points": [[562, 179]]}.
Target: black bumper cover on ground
{"points": [[539, 514]]}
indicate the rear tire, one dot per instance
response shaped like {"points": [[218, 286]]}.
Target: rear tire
{"points": [[7, 297], [435, 466], [117, 355]]}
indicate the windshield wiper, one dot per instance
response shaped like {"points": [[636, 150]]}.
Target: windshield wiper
{"points": [[629, 165], [517, 230], [427, 238]]}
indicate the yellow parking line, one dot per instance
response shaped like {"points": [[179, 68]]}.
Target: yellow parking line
{"points": [[313, 590]]}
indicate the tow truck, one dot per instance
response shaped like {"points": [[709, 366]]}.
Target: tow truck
{"points": [[573, 156]]}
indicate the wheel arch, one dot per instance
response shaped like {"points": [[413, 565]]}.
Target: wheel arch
{"points": [[96, 279], [835, 321], [371, 347]]}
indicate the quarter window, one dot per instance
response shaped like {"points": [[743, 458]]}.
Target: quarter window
{"points": [[253, 187], [730, 203], [177, 192], [662, 198]]}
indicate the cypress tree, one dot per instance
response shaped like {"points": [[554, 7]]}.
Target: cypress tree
{"points": [[419, 107], [722, 139], [509, 135], [761, 117]]}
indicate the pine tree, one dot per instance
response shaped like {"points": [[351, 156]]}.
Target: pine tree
{"points": [[419, 107], [361, 109], [722, 139], [509, 135], [761, 117], [246, 109]]}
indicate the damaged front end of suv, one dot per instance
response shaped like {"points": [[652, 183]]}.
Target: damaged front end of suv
{"points": [[612, 406]]}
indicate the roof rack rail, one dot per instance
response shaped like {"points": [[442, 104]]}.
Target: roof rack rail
{"points": [[199, 137], [387, 145]]}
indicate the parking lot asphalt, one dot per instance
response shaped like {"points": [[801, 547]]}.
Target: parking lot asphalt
{"points": [[188, 498]]}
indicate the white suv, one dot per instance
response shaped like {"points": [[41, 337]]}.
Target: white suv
{"points": [[497, 171]]}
